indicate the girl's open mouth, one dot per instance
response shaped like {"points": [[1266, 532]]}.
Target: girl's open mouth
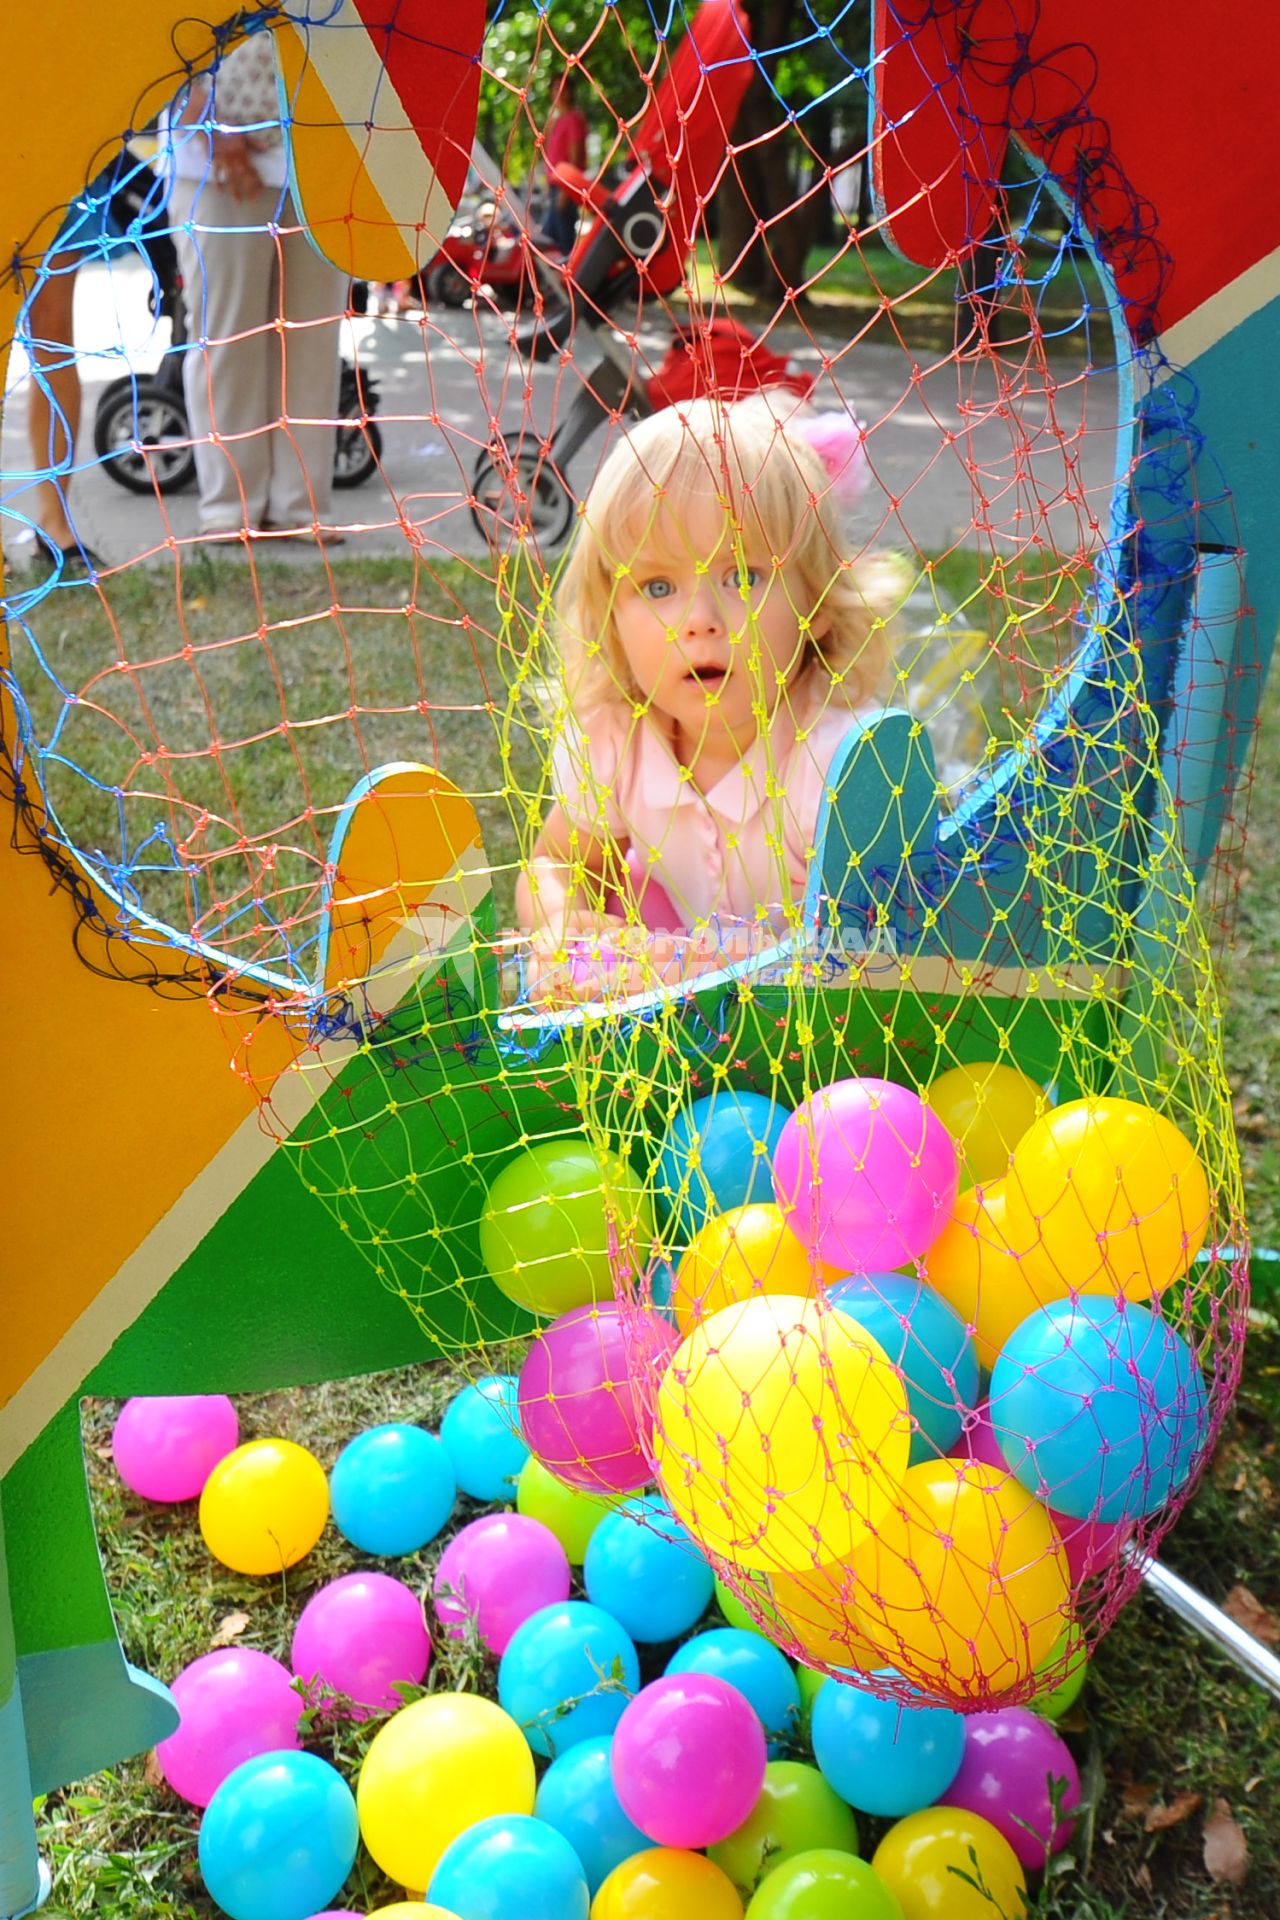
{"points": [[709, 676]]}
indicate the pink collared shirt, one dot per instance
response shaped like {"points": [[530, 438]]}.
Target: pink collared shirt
{"points": [[741, 850]]}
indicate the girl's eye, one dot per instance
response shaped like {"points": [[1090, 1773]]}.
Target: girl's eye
{"points": [[739, 578], [658, 589]]}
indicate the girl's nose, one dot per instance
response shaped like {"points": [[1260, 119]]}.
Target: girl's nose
{"points": [[703, 612]]}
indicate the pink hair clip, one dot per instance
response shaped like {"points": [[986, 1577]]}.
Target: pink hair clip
{"points": [[839, 442]]}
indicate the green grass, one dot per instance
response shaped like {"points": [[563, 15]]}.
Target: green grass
{"points": [[420, 656]]}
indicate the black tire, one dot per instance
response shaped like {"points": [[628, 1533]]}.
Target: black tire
{"points": [[142, 436], [357, 451], [444, 286], [520, 496]]}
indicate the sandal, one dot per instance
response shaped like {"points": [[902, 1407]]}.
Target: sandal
{"points": [[41, 559]]}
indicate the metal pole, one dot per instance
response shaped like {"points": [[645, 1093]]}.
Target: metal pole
{"points": [[1214, 1625]]}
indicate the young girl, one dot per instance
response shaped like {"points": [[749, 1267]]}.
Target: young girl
{"points": [[715, 646]]}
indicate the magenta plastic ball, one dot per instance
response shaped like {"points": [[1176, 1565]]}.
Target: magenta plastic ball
{"points": [[498, 1570], [586, 1396], [360, 1634], [1091, 1546], [166, 1446], [235, 1704], [886, 1175], [1010, 1757], [688, 1760]]}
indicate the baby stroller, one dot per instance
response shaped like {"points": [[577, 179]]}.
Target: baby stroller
{"points": [[141, 434], [630, 252]]}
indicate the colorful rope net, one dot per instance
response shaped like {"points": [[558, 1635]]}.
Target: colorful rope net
{"points": [[774, 981]]}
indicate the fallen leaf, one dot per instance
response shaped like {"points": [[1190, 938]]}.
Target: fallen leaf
{"points": [[1248, 1612], [230, 1627], [1180, 1808], [1226, 1851], [1135, 1799], [1142, 1877], [151, 1771]]}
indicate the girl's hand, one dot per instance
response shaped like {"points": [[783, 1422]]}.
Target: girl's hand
{"points": [[232, 166]]}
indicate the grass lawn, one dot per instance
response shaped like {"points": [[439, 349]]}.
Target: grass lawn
{"points": [[335, 673]]}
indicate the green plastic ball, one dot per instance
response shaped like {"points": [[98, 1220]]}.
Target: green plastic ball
{"points": [[544, 1231], [571, 1515], [823, 1885], [797, 1812]]}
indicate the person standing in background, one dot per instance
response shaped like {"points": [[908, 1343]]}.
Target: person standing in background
{"points": [[264, 310], [565, 144]]}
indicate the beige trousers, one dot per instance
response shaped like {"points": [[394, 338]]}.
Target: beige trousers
{"points": [[262, 362]]}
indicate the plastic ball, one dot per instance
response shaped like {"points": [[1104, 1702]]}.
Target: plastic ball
{"points": [[736, 1611], [548, 1220], [403, 1910], [644, 1569], [964, 1591], [1099, 1408], [715, 1155], [166, 1446], [481, 1434], [816, 1610], [577, 1797], [1090, 1545], [278, 1837], [752, 1664], [929, 1344], [496, 1571], [986, 1108], [824, 1884], [987, 1279], [801, 1475], [866, 1175], [361, 1635], [435, 1769], [1110, 1197], [568, 1512], [931, 1860], [264, 1506], [796, 1812], [235, 1703], [511, 1864], [884, 1756], [666, 1883], [1011, 1757], [1071, 1660], [560, 1656], [393, 1487], [688, 1760], [580, 1409], [737, 1256]]}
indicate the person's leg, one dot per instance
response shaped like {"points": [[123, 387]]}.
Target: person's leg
{"points": [[227, 282], [313, 299], [53, 399]]}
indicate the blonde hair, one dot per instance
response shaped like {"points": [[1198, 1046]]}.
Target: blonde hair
{"points": [[770, 482]]}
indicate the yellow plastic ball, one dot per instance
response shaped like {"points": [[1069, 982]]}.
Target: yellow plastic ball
{"points": [[928, 1862], [816, 1610], [740, 1254], [434, 1770], [411, 1910], [965, 1589], [1110, 1197], [569, 1512], [264, 1506], [781, 1434], [666, 1883], [986, 1108], [992, 1284]]}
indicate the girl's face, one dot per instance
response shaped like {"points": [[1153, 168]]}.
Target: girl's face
{"points": [[708, 626]]}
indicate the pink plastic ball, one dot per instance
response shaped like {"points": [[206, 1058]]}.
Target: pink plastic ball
{"points": [[360, 1634], [166, 1446], [1009, 1759], [886, 1175], [499, 1569], [1091, 1546], [585, 1396], [235, 1704], [688, 1760]]}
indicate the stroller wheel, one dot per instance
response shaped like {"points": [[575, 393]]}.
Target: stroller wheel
{"points": [[446, 285], [519, 495], [357, 449], [141, 436]]}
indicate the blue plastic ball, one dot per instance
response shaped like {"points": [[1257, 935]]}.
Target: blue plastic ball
{"points": [[643, 1567], [925, 1337], [278, 1837], [577, 1797], [510, 1864], [715, 1155], [881, 1756], [482, 1433], [392, 1489], [1099, 1408], [753, 1665], [564, 1654]]}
